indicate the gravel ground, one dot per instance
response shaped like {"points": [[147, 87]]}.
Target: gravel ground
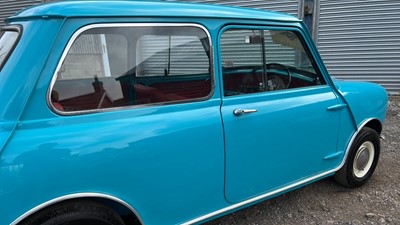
{"points": [[326, 202]]}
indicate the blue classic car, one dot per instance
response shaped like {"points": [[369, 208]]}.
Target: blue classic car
{"points": [[135, 112]]}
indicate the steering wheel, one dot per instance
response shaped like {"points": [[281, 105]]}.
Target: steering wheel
{"points": [[275, 82]]}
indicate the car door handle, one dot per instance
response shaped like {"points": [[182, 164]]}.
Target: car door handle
{"points": [[239, 112]]}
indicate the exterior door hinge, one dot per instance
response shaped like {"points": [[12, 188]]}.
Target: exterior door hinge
{"points": [[334, 155], [336, 107]]}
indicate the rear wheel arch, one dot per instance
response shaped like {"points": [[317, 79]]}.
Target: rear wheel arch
{"points": [[98, 202]]}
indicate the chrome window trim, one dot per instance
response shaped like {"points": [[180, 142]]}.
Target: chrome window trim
{"points": [[296, 30], [74, 196], [286, 188], [119, 25]]}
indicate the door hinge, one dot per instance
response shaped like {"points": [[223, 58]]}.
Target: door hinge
{"points": [[336, 107]]}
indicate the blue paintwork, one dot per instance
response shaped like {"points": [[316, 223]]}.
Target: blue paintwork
{"points": [[170, 163], [366, 100], [274, 140], [146, 9]]}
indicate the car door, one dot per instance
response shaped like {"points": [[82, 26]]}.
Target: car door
{"points": [[277, 110]]}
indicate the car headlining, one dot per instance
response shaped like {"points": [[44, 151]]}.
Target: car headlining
{"points": [[149, 112]]}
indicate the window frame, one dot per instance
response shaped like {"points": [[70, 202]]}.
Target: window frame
{"points": [[292, 29], [78, 32], [13, 28]]}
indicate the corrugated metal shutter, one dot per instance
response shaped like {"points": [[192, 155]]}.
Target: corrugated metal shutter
{"points": [[87, 44], [360, 40], [186, 55], [285, 6], [9, 7], [236, 52]]}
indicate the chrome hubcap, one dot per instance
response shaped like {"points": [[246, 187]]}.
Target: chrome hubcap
{"points": [[363, 159]]}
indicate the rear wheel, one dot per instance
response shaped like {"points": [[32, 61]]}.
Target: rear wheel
{"points": [[78, 212], [361, 160]]}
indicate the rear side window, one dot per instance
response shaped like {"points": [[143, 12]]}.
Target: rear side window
{"points": [[127, 65], [8, 40]]}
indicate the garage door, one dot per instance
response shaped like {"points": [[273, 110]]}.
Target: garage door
{"points": [[8, 8], [359, 40]]}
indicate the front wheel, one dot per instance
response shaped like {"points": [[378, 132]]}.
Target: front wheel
{"points": [[361, 160]]}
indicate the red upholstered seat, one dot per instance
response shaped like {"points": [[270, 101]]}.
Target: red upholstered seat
{"points": [[54, 100], [58, 106], [149, 94]]}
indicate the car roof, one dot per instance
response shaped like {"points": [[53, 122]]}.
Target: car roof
{"points": [[101, 8]]}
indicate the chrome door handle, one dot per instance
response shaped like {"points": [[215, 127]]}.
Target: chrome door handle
{"points": [[239, 112]]}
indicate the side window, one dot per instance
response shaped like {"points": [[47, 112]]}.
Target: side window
{"points": [[92, 55], [160, 55], [265, 60], [127, 66], [8, 39]]}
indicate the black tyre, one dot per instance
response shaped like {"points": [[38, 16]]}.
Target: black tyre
{"points": [[78, 212], [361, 160]]}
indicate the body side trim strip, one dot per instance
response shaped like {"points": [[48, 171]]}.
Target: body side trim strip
{"points": [[207, 216]]}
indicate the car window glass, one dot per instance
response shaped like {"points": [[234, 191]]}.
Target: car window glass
{"points": [[160, 55], [255, 60], [97, 55], [129, 66], [7, 42]]}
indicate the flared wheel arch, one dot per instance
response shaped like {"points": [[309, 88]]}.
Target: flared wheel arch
{"points": [[117, 204], [372, 123]]}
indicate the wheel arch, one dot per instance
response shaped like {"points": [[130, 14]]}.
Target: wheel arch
{"points": [[126, 211], [372, 123]]}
